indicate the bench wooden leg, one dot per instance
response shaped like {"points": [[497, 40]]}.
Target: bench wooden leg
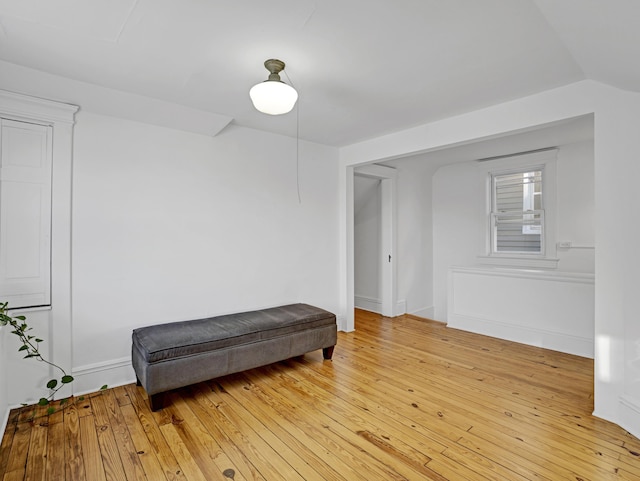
{"points": [[327, 352], [156, 401]]}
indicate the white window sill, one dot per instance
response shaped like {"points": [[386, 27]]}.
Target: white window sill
{"points": [[520, 261]]}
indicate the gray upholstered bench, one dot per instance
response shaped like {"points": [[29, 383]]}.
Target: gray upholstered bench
{"points": [[173, 355]]}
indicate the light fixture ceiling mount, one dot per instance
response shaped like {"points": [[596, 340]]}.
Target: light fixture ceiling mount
{"points": [[273, 96], [274, 66]]}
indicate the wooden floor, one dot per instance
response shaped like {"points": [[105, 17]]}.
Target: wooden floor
{"points": [[403, 399]]}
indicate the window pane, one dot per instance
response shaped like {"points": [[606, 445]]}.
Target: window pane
{"points": [[517, 212], [518, 232], [518, 192]]}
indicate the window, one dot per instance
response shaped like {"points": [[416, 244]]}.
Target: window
{"points": [[517, 217], [520, 222]]}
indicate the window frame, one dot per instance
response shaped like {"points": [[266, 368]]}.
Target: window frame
{"points": [[544, 160], [494, 213]]}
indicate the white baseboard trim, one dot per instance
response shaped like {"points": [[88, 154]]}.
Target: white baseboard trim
{"points": [[90, 377], [368, 304], [91, 391], [630, 415], [100, 366], [425, 312], [555, 341], [375, 305], [341, 321]]}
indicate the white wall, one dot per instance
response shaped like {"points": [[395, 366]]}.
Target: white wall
{"points": [[415, 235], [617, 264], [460, 220], [367, 225], [576, 203], [617, 332], [169, 225], [458, 235]]}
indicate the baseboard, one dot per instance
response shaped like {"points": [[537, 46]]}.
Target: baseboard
{"points": [[630, 415], [555, 341], [91, 377], [375, 305], [425, 313], [368, 304], [109, 386], [341, 321]]}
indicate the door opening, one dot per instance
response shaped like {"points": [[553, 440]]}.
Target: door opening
{"points": [[374, 239]]}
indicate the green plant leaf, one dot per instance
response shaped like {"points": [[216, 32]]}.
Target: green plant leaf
{"points": [[29, 346]]}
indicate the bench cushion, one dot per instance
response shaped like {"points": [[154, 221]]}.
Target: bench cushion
{"points": [[187, 338]]}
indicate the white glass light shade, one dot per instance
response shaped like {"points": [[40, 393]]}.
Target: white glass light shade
{"points": [[273, 97]]}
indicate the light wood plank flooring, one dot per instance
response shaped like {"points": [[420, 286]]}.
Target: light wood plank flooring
{"points": [[403, 399]]}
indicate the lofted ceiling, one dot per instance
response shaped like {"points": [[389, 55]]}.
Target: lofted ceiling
{"points": [[363, 68]]}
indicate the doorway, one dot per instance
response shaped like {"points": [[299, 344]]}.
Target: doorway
{"points": [[374, 239]]}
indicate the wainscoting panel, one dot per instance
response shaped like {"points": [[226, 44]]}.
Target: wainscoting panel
{"points": [[554, 310]]}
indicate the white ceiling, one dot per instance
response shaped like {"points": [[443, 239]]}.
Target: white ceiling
{"points": [[363, 68]]}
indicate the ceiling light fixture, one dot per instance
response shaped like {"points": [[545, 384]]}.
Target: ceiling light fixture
{"points": [[273, 96]]}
